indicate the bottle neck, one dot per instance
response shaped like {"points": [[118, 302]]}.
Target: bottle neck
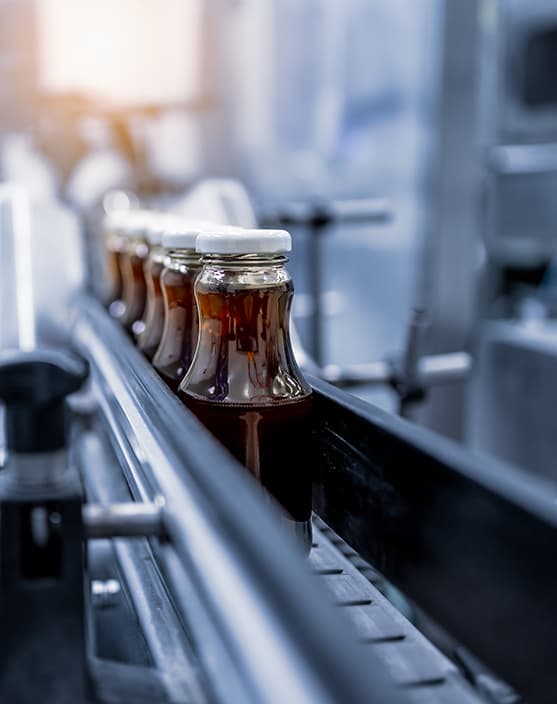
{"points": [[243, 261], [180, 259], [244, 271]]}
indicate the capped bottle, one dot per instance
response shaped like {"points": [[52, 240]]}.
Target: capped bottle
{"points": [[114, 245], [182, 264], [149, 330], [132, 259], [244, 383]]}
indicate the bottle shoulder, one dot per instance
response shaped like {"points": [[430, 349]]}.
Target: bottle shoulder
{"points": [[244, 353]]}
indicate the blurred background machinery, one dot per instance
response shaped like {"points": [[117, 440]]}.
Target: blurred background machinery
{"points": [[411, 148], [412, 179]]}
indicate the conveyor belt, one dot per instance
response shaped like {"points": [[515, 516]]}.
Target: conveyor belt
{"points": [[162, 451], [426, 674], [409, 658]]}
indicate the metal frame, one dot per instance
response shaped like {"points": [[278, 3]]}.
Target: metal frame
{"points": [[317, 218], [451, 255]]}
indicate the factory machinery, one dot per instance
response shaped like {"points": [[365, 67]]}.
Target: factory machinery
{"points": [[139, 562]]}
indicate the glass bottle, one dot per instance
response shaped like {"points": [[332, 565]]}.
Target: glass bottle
{"points": [[132, 259], [114, 244], [149, 329], [182, 264], [244, 383]]}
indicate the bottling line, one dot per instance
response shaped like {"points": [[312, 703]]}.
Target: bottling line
{"points": [[213, 489]]}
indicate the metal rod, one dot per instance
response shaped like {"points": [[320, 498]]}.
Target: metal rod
{"points": [[126, 520], [355, 374], [431, 370], [409, 386], [414, 342], [364, 210], [436, 369], [315, 277], [332, 212]]}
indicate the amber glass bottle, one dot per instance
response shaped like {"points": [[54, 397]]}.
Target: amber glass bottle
{"points": [[132, 259], [182, 264], [149, 329], [114, 245], [244, 383]]}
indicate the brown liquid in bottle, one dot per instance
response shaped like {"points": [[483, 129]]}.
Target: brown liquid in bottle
{"points": [[179, 337], [114, 276], [273, 442], [245, 386], [134, 288], [114, 243], [153, 317]]}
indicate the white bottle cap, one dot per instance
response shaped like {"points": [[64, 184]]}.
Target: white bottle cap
{"points": [[182, 233], [115, 221], [243, 241], [157, 224], [135, 224]]}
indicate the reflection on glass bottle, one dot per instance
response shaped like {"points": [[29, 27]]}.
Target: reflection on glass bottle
{"points": [[132, 259], [114, 245], [180, 331], [150, 331]]}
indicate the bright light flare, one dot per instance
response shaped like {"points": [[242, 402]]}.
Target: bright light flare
{"points": [[122, 52]]}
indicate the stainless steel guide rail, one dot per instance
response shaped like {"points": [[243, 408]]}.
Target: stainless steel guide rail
{"points": [[470, 539], [248, 604], [426, 675]]}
